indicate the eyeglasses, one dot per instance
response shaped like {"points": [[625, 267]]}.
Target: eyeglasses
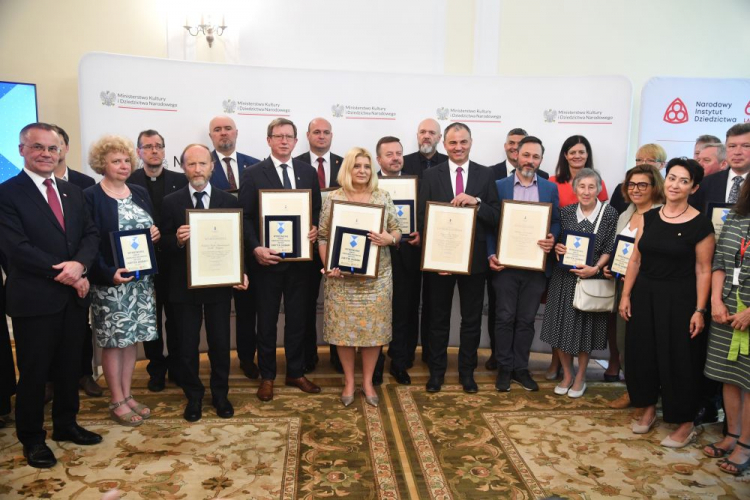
{"points": [[280, 137], [38, 148], [640, 186], [652, 161], [149, 147]]}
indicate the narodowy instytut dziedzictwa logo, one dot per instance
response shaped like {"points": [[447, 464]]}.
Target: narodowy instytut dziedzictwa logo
{"points": [[676, 112]]}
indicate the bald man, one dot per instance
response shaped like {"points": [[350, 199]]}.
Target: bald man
{"points": [[428, 138]]}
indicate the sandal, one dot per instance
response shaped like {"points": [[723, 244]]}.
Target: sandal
{"points": [[141, 409], [738, 468], [125, 419], [717, 452]]}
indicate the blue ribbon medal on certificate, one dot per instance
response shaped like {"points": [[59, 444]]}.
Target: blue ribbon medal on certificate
{"points": [[134, 245], [280, 230]]}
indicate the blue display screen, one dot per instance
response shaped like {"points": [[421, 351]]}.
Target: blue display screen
{"points": [[17, 109]]}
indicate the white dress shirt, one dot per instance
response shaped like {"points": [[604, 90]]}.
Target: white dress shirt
{"points": [[464, 174], [39, 183], [289, 171], [206, 197], [326, 165]]}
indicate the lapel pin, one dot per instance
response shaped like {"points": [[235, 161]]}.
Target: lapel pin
{"points": [[65, 195]]}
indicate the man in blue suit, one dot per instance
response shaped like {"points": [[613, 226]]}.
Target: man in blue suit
{"points": [[519, 291]]}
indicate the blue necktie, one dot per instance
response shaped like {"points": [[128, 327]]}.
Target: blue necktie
{"points": [[287, 182]]}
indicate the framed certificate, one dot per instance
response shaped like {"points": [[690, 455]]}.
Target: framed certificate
{"points": [[285, 220], [580, 249], [215, 249], [621, 254], [718, 213], [448, 241], [134, 250], [522, 225], [403, 191], [349, 249]]}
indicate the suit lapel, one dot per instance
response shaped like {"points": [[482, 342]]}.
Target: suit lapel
{"points": [[473, 182], [445, 181], [299, 183], [34, 194], [270, 172], [65, 201]]}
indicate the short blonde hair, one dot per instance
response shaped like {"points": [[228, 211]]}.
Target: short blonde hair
{"points": [[111, 144], [653, 151], [345, 172]]}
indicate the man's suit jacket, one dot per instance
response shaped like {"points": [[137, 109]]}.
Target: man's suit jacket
{"points": [[173, 216], [335, 166], [413, 163], [83, 181], [219, 178], [436, 186], [263, 175], [103, 210], [617, 200], [713, 189], [33, 241], [547, 194], [500, 171]]}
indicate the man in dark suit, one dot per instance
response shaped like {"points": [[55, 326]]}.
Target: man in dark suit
{"points": [[407, 277], [229, 164], [327, 164], [50, 242], [159, 182], [7, 365], [519, 291], [191, 305], [427, 156], [273, 278], [462, 183]]}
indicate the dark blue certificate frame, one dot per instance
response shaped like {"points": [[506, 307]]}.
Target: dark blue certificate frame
{"points": [[589, 254], [338, 240], [613, 254], [115, 239], [412, 219], [296, 237]]}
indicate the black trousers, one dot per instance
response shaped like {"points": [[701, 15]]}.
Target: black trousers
{"points": [[87, 349], [293, 284], [518, 293], [158, 363], [491, 308], [471, 294], [48, 347], [188, 319], [407, 283], [311, 312], [661, 356], [7, 366], [424, 320], [245, 324]]}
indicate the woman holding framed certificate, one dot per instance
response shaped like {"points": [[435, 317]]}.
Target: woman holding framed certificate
{"points": [[357, 311], [588, 229], [123, 305]]}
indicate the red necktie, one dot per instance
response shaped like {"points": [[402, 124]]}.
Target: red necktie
{"points": [[230, 174], [321, 174], [54, 202], [459, 181]]}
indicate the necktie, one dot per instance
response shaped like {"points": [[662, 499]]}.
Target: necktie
{"points": [[54, 203], [459, 181], [734, 193], [287, 182], [428, 163], [199, 199], [230, 174], [321, 174]]}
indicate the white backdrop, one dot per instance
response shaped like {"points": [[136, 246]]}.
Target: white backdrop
{"points": [[124, 95], [675, 111]]}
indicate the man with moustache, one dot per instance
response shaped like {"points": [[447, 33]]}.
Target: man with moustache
{"points": [[190, 305], [159, 182], [407, 277], [519, 291], [272, 277], [464, 183], [229, 164], [49, 241], [428, 138], [327, 164], [713, 158]]}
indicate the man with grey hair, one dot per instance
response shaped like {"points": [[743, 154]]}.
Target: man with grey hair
{"points": [[701, 141], [712, 158], [428, 138]]}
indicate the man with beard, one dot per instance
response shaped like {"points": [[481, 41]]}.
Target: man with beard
{"points": [[428, 138], [159, 182], [519, 291]]}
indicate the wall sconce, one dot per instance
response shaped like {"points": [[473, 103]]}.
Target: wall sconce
{"points": [[208, 29]]}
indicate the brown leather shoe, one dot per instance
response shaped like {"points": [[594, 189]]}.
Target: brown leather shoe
{"points": [[90, 387], [265, 391], [621, 402], [302, 384]]}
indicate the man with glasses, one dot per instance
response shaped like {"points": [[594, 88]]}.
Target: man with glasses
{"points": [[159, 182], [50, 241], [273, 278]]}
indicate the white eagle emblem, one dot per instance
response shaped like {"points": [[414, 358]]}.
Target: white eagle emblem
{"points": [[108, 98], [550, 116], [443, 113], [337, 110], [229, 105]]}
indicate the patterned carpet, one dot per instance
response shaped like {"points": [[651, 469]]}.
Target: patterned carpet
{"points": [[415, 445]]}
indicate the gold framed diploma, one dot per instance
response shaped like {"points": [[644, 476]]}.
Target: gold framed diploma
{"points": [[403, 191], [522, 225], [579, 249], [448, 241], [718, 213], [621, 254], [215, 248], [285, 220], [348, 248]]}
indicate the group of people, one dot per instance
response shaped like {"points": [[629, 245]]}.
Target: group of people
{"points": [[55, 239]]}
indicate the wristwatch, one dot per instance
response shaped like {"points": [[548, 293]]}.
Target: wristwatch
{"points": [[701, 310], [394, 240], [479, 200]]}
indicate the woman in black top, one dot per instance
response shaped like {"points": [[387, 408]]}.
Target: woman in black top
{"points": [[670, 276]]}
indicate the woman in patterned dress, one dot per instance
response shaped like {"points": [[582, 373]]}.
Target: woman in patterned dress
{"points": [[123, 309], [570, 331], [357, 311]]}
